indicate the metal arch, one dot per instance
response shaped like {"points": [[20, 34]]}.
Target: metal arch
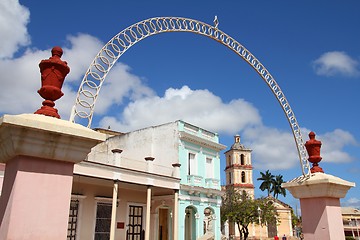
{"points": [[120, 43]]}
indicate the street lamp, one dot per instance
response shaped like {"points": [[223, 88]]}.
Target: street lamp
{"points": [[259, 213]]}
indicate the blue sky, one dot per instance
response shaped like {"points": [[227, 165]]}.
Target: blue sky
{"points": [[311, 48]]}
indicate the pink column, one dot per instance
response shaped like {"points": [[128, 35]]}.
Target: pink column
{"points": [[40, 153], [35, 199], [321, 218]]}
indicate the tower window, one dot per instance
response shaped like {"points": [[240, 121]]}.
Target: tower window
{"points": [[243, 177], [242, 161]]}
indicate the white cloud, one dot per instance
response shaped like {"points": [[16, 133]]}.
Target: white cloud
{"points": [[121, 83], [272, 148], [20, 80], [80, 53], [13, 20], [352, 202], [336, 63], [333, 144], [199, 107]]}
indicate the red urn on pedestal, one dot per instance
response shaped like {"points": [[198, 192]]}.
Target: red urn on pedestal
{"points": [[53, 72], [313, 148]]}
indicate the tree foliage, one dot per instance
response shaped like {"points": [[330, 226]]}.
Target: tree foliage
{"points": [[239, 207], [276, 187], [272, 184], [267, 179]]}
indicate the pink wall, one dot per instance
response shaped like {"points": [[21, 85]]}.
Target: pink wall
{"points": [[38, 193], [321, 218]]}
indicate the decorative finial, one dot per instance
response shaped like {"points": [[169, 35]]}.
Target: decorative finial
{"points": [[216, 22], [53, 72], [313, 148]]}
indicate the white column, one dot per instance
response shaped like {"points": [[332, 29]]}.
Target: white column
{"points": [[117, 156], [149, 164], [148, 205], [176, 215], [113, 211]]}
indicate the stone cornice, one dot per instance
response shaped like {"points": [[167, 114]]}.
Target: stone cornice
{"points": [[318, 185], [46, 137]]}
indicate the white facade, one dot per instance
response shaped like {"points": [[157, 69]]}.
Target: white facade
{"points": [[146, 173]]}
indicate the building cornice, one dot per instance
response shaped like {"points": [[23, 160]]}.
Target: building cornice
{"points": [[201, 141], [239, 166], [194, 190]]}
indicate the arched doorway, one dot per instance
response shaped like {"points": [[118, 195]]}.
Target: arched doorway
{"points": [[190, 223]]}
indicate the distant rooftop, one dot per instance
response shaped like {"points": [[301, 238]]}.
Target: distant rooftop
{"points": [[350, 211], [108, 131]]}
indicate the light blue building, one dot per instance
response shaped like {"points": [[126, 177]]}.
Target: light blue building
{"points": [[200, 190]]}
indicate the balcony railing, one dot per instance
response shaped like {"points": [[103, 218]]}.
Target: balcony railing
{"points": [[212, 183], [196, 181]]}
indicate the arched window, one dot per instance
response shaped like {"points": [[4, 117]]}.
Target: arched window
{"points": [[242, 176], [229, 177], [242, 159]]}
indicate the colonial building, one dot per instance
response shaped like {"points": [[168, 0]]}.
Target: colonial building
{"points": [[239, 174], [162, 181]]}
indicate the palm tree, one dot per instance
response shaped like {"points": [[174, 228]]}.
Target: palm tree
{"points": [[267, 179], [276, 186]]}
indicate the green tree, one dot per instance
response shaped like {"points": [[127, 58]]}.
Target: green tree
{"points": [[239, 207], [276, 186], [267, 179]]}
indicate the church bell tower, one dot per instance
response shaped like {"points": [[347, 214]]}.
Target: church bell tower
{"points": [[239, 168]]}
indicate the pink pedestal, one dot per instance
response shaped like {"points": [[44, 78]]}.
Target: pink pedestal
{"points": [[40, 153], [35, 199], [321, 218], [320, 204]]}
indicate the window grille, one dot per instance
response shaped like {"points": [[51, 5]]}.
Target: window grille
{"points": [[73, 218], [103, 221]]}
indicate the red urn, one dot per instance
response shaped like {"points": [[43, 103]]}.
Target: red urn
{"points": [[313, 148], [53, 72]]}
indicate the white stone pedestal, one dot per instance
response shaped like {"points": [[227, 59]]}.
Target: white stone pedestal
{"points": [[40, 153], [320, 204]]}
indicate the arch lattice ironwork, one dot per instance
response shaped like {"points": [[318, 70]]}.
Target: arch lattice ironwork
{"points": [[120, 43]]}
